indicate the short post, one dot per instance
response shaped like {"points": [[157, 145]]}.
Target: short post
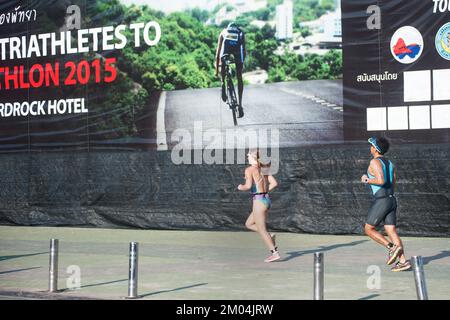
{"points": [[53, 266], [133, 271], [318, 276], [419, 277]]}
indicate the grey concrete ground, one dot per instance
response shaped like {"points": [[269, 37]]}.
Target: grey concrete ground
{"points": [[211, 265]]}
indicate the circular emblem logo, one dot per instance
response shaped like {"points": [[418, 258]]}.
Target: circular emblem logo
{"points": [[443, 41], [407, 45]]}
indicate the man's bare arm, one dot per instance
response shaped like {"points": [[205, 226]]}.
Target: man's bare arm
{"points": [[377, 171]]}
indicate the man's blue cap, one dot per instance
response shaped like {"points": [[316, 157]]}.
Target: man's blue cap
{"points": [[373, 141]]}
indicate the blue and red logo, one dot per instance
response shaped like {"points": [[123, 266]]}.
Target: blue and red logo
{"points": [[401, 49], [407, 45]]}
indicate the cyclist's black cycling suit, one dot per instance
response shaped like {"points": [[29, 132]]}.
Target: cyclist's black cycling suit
{"points": [[233, 43]]}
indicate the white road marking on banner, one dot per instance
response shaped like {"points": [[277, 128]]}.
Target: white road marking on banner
{"points": [[161, 139], [313, 98]]}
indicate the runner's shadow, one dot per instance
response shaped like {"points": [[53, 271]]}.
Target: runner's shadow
{"points": [[296, 254], [171, 290], [92, 285], [18, 270], [442, 255], [371, 296], [3, 258], [102, 283]]}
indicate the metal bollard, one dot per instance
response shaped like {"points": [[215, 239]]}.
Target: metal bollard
{"points": [[133, 271], [419, 277], [53, 266], [318, 276]]}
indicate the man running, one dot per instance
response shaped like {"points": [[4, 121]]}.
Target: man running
{"points": [[232, 41], [381, 177]]}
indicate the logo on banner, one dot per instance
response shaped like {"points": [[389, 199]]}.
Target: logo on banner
{"points": [[407, 45], [443, 41]]}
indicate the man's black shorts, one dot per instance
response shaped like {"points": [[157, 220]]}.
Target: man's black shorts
{"points": [[383, 210]]}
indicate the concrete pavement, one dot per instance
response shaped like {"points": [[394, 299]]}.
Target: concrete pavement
{"points": [[211, 265]]}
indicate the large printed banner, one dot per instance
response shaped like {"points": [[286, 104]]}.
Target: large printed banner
{"points": [[129, 74], [84, 82], [397, 69], [110, 74]]}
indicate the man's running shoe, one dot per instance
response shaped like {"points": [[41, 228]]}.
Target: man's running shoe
{"points": [[224, 94], [393, 254], [401, 266], [240, 112], [273, 257]]}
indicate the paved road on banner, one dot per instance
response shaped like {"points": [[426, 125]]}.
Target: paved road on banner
{"points": [[305, 112]]}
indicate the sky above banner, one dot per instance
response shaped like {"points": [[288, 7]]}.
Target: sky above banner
{"points": [[172, 5]]}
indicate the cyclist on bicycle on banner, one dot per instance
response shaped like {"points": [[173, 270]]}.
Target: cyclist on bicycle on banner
{"points": [[232, 41]]}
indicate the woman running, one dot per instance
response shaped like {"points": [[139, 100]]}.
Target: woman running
{"points": [[260, 184]]}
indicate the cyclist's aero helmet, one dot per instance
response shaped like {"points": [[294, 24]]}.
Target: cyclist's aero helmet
{"points": [[233, 35]]}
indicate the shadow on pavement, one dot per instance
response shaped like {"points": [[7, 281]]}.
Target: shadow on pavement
{"points": [[442, 255], [18, 270], [3, 258], [93, 285], [371, 296], [171, 290], [102, 283], [296, 254]]}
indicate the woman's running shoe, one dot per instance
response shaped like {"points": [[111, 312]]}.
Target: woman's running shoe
{"points": [[273, 257]]}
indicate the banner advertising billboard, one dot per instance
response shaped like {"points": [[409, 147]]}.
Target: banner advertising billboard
{"points": [[117, 112], [397, 70]]}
